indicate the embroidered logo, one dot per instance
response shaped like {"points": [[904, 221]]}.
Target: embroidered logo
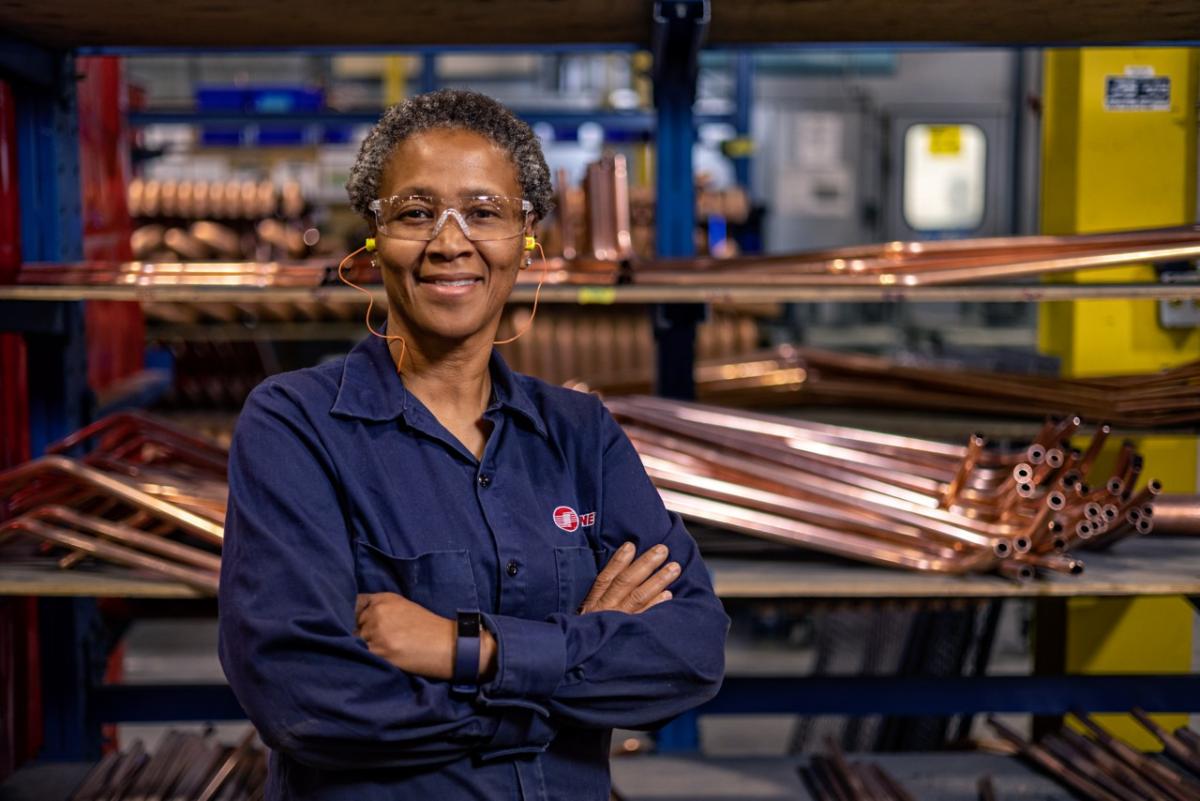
{"points": [[569, 520]]}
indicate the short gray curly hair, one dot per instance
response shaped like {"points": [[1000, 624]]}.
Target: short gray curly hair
{"points": [[451, 108]]}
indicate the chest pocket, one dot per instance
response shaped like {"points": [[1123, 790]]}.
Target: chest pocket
{"points": [[577, 568], [440, 581]]}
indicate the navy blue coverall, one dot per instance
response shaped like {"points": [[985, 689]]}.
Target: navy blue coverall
{"points": [[341, 482]]}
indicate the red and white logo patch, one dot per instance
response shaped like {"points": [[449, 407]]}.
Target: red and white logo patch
{"points": [[569, 520]]}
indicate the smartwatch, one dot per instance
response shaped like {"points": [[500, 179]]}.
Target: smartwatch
{"points": [[466, 652]]}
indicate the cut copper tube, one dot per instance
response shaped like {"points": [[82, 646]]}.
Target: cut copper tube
{"points": [[1093, 450], [1177, 785], [1189, 738], [1049, 763], [1057, 562], [1078, 760], [975, 445], [1112, 766], [1177, 750], [227, 767]]}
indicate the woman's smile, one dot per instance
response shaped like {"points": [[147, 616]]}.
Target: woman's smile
{"points": [[450, 286]]}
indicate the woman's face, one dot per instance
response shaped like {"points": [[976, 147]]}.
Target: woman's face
{"points": [[424, 280]]}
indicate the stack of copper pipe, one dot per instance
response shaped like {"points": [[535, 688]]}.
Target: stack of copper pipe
{"points": [[175, 273], [789, 376], [186, 767], [908, 264], [147, 496], [833, 777], [1101, 767], [889, 500]]}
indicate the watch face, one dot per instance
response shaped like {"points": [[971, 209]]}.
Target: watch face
{"points": [[468, 625]]}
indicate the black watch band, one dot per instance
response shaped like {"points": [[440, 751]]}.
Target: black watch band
{"points": [[466, 652]]}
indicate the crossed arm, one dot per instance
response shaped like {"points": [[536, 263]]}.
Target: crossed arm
{"points": [[422, 643]]}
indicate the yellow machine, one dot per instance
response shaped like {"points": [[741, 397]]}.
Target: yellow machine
{"points": [[1119, 152]]}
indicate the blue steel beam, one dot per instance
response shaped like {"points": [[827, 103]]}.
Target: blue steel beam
{"points": [[955, 695], [805, 695], [679, 29]]}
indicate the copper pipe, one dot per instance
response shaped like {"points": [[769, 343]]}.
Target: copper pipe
{"points": [[59, 467], [227, 767], [782, 529], [1056, 562], [1093, 450], [130, 537], [975, 445], [1110, 765], [1079, 762], [1178, 786], [950, 527], [118, 554], [666, 476], [1049, 763], [1189, 738], [1176, 749]]}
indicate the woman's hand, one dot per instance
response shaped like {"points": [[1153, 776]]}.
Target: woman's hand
{"points": [[629, 585], [414, 639]]}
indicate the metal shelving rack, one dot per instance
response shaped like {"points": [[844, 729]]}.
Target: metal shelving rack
{"points": [[76, 700]]}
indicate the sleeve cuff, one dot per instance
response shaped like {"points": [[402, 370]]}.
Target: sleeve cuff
{"points": [[520, 731], [531, 657]]}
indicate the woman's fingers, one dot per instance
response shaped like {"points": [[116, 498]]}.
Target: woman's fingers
{"points": [[632, 577], [650, 591], [662, 597], [619, 561]]}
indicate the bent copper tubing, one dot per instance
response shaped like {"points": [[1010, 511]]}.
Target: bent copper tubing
{"points": [[1177, 515], [975, 445], [836, 518], [909, 488], [1093, 450], [131, 537], [912, 449], [785, 530], [851, 489], [61, 467], [118, 554], [938, 522], [136, 421]]}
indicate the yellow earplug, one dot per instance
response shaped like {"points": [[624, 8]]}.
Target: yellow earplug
{"points": [[530, 242], [370, 244]]}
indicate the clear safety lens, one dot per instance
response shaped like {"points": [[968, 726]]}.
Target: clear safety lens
{"points": [[422, 218]]}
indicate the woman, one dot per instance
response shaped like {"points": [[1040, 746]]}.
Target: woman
{"points": [[411, 605]]}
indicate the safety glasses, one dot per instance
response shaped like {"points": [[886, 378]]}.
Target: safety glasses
{"points": [[420, 218]]}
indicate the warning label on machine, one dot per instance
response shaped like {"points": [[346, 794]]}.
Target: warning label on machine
{"points": [[1137, 93]]}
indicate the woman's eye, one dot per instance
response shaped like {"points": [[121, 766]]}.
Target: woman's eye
{"points": [[483, 214], [413, 214]]}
